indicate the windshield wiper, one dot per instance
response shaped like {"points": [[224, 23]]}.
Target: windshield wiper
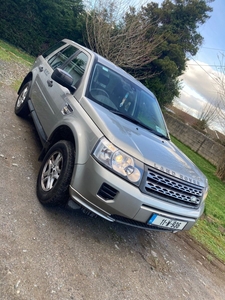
{"points": [[135, 121], [159, 133], [127, 117]]}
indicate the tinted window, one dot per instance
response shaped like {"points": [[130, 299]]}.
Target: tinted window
{"points": [[76, 67], [148, 112], [60, 57], [126, 99], [53, 48]]}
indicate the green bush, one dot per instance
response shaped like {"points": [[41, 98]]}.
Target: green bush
{"points": [[35, 25]]}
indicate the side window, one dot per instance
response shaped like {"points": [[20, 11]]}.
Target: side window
{"points": [[76, 67], [53, 48], [60, 57]]}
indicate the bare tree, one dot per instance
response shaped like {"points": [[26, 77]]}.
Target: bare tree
{"points": [[207, 116], [122, 35], [220, 80]]}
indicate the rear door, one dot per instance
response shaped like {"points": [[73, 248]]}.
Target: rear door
{"points": [[48, 96]]}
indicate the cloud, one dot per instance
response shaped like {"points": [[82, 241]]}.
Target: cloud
{"points": [[200, 78], [191, 104], [199, 85]]}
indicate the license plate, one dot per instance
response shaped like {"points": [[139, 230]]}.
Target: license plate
{"points": [[166, 222]]}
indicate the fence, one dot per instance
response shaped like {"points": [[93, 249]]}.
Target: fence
{"points": [[198, 142]]}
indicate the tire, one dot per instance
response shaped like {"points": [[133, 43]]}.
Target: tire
{"points": [[21, 106], [55, 174]]}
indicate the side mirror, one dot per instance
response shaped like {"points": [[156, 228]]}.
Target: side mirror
{"points": [[63, 78]]}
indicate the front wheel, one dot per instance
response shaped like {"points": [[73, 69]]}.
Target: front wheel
{"points": [[21, 106], [55, 174]]}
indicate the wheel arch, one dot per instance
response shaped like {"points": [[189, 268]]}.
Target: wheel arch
{"points": [[29, 77], [79, 129], [63, 132]]}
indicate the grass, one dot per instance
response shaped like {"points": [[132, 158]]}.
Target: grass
{"points": [[16, 84], [9, 53], [210, 228]]}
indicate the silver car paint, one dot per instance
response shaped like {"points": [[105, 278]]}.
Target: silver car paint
{"points": [[144, 145]]}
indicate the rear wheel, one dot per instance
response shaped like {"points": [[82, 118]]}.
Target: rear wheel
{"points": [[21, 106], [55, 174]]}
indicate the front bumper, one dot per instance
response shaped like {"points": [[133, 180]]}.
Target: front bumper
{"points": [[115, 199]]}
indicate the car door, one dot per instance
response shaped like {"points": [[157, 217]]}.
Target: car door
{"points": [[48, 96]]}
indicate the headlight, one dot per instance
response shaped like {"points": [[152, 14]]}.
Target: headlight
{"points": [[118, 161]]}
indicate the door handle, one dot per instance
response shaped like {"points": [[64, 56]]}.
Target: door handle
{"points": [[50, 83]]}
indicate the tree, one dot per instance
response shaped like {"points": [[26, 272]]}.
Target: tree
{"points": [[119, 33], [180, 20], [207, 116], [150, 43], [220, 82], [34, 25], [220, 87]]}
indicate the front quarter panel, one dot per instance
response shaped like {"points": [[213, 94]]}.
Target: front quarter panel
{"points": [[85, 132]]}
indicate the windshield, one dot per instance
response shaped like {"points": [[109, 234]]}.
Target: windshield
{"points": [[126, 99]]}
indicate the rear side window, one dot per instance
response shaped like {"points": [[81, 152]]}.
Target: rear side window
{"points": [[60, 57], [53, 48]]}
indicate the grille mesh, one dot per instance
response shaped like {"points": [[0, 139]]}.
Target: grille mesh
{"points": [[174, 190]]}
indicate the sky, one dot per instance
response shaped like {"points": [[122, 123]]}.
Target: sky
{"points": [[198, 81]]}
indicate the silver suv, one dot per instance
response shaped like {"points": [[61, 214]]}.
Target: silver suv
{"points": [[105, 143]]}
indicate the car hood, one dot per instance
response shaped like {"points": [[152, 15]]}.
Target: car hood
{"points": [[145, 146]]}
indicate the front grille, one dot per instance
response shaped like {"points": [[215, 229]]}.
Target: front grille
{"points": [[107, 192], [172, 189]]}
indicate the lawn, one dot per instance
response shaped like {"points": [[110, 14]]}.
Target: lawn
{"points": [[9, 53], [210, 229]]}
